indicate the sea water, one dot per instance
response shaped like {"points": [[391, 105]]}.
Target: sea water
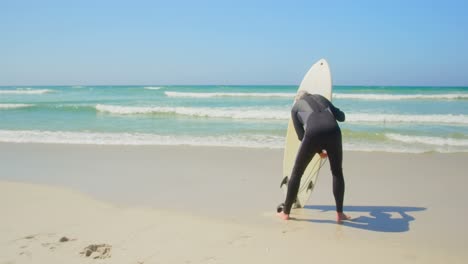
{"points": [[378, 118]]}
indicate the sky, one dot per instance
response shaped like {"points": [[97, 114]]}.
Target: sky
{"points": [[100, 42]]}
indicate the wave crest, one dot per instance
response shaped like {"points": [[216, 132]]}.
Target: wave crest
{"points": [[395, 118], [265, 113], [220, 94], [26, 91], [385, 97], [138, 139], [428, 140], [234, 113], [14, 106], [152, 87]]}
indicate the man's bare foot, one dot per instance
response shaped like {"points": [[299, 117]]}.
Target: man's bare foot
{"points": [[340, 217], [283, 216]]}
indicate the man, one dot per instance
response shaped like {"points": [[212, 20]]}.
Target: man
{"points": [[314, 119]]}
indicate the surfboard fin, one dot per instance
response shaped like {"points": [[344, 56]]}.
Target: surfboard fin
{"points": [[279, 208], [296, 204], [284, 181], [311, 186]]}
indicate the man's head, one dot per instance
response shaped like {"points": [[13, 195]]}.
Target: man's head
{"points": [[301, 94]]}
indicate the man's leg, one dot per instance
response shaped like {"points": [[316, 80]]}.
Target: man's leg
{"points": [[304, 156], [335, 155]]}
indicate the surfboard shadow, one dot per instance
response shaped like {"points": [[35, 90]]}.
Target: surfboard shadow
{"points": [[380, 219]]}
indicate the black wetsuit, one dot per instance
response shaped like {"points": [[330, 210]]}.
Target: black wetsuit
{"points": [[314, 119]]}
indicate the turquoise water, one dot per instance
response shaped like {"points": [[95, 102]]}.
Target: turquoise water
{"points": [[392, 119]]}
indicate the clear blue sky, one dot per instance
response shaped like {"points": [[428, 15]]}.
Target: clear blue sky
{"points": [[370, 42]]}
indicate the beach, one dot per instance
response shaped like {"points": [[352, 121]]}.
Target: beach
{"points": [[71, 203]]}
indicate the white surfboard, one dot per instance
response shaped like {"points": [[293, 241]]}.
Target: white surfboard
{"points": [[316, 81]]}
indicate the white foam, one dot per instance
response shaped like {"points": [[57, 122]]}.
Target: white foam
{"points": [[455, 96], [152, 87], [14, 106], [401, 147], [372, 147], [138, 139], [210, 95], [395, 118], [250, 141], [234, 113], [277, 114], [452, 96], [437, 141], [26, 91], [128, 110]]}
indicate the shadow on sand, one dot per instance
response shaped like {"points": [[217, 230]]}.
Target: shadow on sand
{"points": [[380, 219]]}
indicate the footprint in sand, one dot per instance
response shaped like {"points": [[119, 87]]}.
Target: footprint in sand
{"points": [[32, 243], [97, 251], [43, 239]]}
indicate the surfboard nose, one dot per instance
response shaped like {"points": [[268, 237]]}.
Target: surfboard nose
{"points": [[322, 62]]}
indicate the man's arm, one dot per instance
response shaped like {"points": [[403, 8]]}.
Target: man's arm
{"points": [[339, 115], [297, 124]]}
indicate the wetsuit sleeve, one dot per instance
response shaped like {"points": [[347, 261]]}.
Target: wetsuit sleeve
{"points": [[297, 124], [339, 115]]}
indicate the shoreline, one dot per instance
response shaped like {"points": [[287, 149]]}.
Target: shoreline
{"points": [[253, 147], [179, 204]]}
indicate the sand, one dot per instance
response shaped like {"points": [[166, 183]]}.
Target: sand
{"points": [[161, 204]]}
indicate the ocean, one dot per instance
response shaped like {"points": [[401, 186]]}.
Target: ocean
{"points": [[378, 118]]}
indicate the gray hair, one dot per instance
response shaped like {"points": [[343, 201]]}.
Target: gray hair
{"points": [[301, 94]]}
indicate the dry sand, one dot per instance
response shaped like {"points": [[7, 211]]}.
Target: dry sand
{"points": [[121, 204]]}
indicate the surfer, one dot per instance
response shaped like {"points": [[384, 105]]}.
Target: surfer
{"points": [[314, 118]]}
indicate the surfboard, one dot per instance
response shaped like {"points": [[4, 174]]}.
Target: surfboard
{"points": [[316, 81]]}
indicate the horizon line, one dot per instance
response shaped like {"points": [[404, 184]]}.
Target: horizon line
{"points": [[346, 85]]}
